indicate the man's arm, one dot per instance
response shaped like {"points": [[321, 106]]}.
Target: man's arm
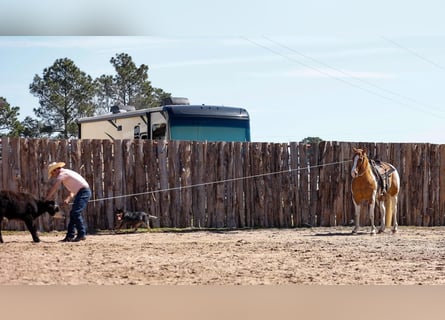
{"points": [[53, 190], [69, 198]]}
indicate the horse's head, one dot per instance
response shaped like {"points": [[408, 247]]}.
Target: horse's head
{"points": [[358, 159]]}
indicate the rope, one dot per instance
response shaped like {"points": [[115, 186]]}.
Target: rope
{"points": [[220, 181]]}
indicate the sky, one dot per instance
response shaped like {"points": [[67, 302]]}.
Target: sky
{"points": [[344, 70]]}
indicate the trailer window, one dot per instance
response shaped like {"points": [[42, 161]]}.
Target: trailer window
{"points": [[158, 126], [158, 131]]}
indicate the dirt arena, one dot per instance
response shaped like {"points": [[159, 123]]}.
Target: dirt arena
{"points": [[245, 257]]}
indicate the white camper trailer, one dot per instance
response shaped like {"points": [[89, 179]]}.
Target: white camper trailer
{"points": [[171, 122]]}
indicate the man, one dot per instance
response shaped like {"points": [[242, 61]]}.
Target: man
{"points": [[79, 191]]}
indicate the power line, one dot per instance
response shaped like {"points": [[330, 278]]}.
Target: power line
{"points": [[414, 53], [343, 80], [352, 76], [306, 65]]}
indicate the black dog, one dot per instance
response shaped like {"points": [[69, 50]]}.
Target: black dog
{"points": [[25, 207], [132, 219]]}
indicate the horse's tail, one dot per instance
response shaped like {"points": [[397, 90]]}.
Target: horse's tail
{"points": [[389, 205], [391, 199]]}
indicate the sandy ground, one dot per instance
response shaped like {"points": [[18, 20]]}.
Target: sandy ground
{"points": [[244, 257]]}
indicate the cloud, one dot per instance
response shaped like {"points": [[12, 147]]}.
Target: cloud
{"points": [[331, 73], [90, 42], [319, 73]]}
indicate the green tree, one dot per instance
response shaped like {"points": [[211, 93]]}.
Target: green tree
{"points": [[9, 122], [311, 140], [130, 86], [33, 128], [65, 93], [104, 94]]}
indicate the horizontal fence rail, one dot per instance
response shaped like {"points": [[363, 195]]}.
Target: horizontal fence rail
{"points": [[223, 184]]}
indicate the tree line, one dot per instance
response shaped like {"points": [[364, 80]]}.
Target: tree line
{"points": [[66, 93]]}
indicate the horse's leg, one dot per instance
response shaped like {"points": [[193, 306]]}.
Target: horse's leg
{"points": [[356, 218], [394, 213], [383, 212], [371, 208]]}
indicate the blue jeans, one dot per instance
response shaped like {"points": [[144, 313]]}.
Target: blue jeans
{"points": [[76, 219]]}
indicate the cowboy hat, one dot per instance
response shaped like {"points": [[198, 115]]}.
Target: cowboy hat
{"points": [[53, 166]]}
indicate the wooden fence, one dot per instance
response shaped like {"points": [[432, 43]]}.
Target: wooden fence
{"points": [[224, 185]]}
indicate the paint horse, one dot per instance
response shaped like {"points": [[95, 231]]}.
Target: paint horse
{"points": [[374, 181]]}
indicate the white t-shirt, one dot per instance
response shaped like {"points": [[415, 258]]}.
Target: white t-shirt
{"points": [[72, 180]]}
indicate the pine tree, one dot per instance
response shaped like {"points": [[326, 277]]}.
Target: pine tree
{"points": [[65, 93], [9, 123]]}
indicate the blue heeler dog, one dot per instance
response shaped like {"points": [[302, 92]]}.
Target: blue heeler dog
{"points": [[132, 219]]}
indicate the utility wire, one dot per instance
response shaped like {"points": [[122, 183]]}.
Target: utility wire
{"points": [[343, 80], [414, 53], [416, 102]]}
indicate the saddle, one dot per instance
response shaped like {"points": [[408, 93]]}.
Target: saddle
{"points": [[382, 171]]}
